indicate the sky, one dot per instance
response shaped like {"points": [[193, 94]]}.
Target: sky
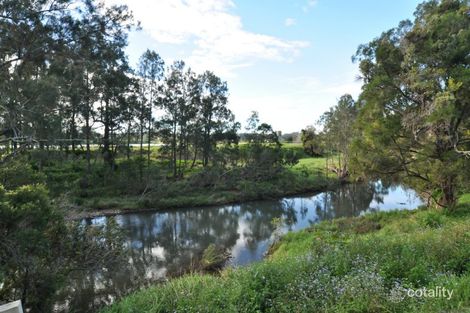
{"points": [[290, 60]]}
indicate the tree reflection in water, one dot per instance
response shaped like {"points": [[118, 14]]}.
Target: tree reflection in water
{"points": [[169, 243]]}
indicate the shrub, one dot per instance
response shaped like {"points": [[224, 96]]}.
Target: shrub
{"points": [[18, 173], [432, 219], [39, 249]]}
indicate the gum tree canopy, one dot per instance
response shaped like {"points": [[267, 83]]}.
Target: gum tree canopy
{"points": [[415, 104]]}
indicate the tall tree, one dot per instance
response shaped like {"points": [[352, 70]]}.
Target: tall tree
{"points": [[415, 116], [151, 71], [130, 107], [30, 36], [178, 103], [339, 132], [262, 154], [213, 115], [111, 69]]}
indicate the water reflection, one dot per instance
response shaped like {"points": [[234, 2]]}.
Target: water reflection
{"points": [[169, 243]]}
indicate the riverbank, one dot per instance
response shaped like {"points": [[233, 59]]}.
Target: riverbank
{"points": [[109, 206], [105, 191], [362, 264], [305, 177]]}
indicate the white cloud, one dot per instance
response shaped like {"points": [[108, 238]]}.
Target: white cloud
{"points": [[290, 22], [309, 5], [220, 41]]}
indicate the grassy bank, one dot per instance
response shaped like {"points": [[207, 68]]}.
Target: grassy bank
{"points": [[184, 194], [135, 185], [106, 191], [362, 264]]}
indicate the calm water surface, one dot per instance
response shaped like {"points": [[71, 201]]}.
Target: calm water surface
{"points": [[168, 243]]}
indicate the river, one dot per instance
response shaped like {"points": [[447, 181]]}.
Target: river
{"points": [[168, 243]]}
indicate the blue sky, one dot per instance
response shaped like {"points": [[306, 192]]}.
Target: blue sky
{"points": [[288, 60]]}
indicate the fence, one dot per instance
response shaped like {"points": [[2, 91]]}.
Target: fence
{"points": [[12, 307]]}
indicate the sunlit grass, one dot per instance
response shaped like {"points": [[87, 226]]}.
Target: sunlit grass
{"points": [[464, 199]]}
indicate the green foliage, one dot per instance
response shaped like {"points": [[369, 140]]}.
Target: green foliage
{"points": [[295, 147], [121, 189], [19, 173], [338, 133], [413, 116], [290, 157], [311, 142], [464, 200], [195, 120], [433, 219], [31, 231], [39, 249], [262, 155]]}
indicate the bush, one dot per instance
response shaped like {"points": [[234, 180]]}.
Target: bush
{"points": [[38, 249], [18, 173], [432, 219], [31, 231]]}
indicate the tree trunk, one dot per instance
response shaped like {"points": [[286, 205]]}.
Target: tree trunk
{"points": [[180, 154], [128, 151], [448, 198], [107, 157], [194, 157], [87, 137], [149, 139], [205, 158], [173, 148], [141, 154], [207, 141], [72, 129], [87, 127]]}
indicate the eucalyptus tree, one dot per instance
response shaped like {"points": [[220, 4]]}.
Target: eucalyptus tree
{"points": [[53, 63], [171, 96], [260, 133], [130, 108], [187, 121], [29, 32], [68, 72], [415, 111], [151, 71], [115, 83], [214, 117], [338, 128], [262, 154], [72, 91], [110, 70], [178, 101], [84, 31]]}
